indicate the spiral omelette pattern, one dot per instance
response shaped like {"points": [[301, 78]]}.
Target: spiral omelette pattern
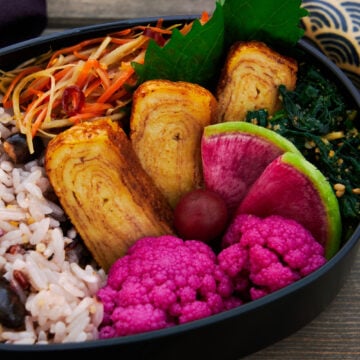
{"points": [[334, 27]]}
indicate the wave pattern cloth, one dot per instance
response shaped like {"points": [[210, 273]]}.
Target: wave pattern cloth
{"points": [[334, 27]]}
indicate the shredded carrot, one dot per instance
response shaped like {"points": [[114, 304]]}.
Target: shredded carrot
{"points": [[39, 120], [121, 41], [85, 71], [101, 70], [126, 72], [74, 48], [156, 29], [96, 108], [104, 76], [124, 32], [91, 88], [6, 102]]}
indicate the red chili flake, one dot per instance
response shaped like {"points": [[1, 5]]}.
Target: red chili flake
{"points": [[73, 99], [154, 35]]}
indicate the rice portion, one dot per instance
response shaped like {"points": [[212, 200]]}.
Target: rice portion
{"points": [[58, 293]]}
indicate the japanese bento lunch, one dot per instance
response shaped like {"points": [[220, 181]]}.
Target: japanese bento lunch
{"points": [[167, 172]]}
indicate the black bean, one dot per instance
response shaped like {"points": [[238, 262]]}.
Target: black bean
{"points": [[17, 148], [12, 309]]}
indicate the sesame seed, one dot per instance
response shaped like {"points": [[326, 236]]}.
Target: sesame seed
{"points": [[339, 193], [334, 135], [339, 187]]}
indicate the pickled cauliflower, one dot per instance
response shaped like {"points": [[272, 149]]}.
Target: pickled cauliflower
{"points": [[164, 281], [161, 282], [263, 255]]}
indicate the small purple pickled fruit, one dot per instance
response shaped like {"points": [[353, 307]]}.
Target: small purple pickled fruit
{"points": [[201, 214]]}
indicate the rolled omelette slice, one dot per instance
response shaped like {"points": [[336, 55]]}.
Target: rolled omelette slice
{"points": [[109, 198], [250, 80]]}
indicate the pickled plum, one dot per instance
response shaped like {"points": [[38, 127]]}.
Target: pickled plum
{"points": [[200, 214]]}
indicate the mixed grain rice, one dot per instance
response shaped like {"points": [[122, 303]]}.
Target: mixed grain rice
{"points": [[58, 293]]}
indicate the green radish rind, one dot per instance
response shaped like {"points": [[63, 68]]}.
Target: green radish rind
{"points": [[293, 158], [327, 195], [245, 127]]}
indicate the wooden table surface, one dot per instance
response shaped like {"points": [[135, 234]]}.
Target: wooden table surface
{"points": [[335, 333]]}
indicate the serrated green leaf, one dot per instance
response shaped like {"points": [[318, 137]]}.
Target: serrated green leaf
{"points": [[274, 22], [193, 57]]}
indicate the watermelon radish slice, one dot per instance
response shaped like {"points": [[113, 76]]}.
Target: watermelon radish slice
{"points": [[234, 154], [294, 188]]}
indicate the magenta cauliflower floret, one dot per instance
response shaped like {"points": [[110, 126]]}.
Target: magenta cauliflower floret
{"points": [[264, 255], [163, 281]]}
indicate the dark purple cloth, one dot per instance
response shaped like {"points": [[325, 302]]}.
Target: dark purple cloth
{"points": [[21, 20]]}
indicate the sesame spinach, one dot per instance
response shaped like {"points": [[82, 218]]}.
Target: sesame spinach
{"points": [[317, 119]]}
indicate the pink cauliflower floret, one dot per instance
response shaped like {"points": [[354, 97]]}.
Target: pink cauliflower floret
{"points": [[265, 255], [163, 281]]}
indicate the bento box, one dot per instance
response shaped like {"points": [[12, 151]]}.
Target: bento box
{"points": [[229, 334]]}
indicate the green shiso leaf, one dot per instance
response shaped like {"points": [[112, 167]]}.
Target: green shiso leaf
{"points": [[193, 57], [274, 22], [196, 57]]}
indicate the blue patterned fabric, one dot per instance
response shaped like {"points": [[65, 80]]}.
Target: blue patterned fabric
{"points": [[334, 26]]}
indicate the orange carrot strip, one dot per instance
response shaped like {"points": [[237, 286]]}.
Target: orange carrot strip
{"points": [[37, 86], [92, 87], [124, 32], [85, 71], [155, 29], [95, 108], [104, 76], [80, 56], [76, 47], [62, 73], [119, 96], [39, 120], [127, 72], [6, 98], [121, 41], [123, 92]]}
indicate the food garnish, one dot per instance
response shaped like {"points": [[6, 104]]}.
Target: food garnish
{"points": [[166, 124]]}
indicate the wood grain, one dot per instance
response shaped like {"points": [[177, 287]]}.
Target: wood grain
{"points": [[65, 13], [335, 333]]}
